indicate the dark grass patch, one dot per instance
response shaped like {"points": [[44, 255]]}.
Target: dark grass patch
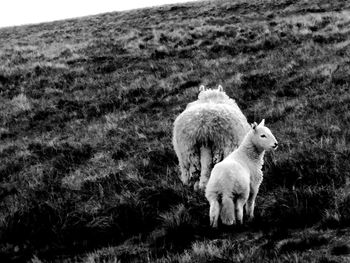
{"points": [[186, 85], [121, 152], [292, 86], [71, 106], [316, 168], [52, 220], [341, 249], [176, 233], [99, 108], [311, 241], [11, 83], [107, 66], [3, 79], [299, 208], [132, 214], [114, 183], [341, 75], [7, 189], [180, 226], [160, 198], [40, 80], [255, 86], [224, 49], [7, 134], [152, 163], [37, 224], [10, 167], [329, 39], [41, 120], [53, 227], [325, 259], [344, 208], [66, 153], [131, 251]]}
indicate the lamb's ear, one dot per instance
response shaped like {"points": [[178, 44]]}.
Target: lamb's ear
{"points": [[262, 123], [254, 125], [220, 88], [201, 88]]}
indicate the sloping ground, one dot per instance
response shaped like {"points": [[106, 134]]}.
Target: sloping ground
{"points": [[87, 169]]}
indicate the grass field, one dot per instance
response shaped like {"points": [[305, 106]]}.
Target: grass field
{"points": [[87, 168]]}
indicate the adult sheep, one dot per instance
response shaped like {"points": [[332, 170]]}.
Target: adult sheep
{"points": [[236, 180], [207, 131]]}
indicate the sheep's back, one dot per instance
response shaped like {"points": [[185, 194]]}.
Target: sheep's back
{"points": [[211, 124]]}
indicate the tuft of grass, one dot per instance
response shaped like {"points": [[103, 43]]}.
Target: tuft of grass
{"points": [[21, 103], [177, 226]]}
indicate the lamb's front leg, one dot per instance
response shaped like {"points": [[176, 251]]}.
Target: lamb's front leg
{"points": [[239, 209], [250, 205], [254, 189]]}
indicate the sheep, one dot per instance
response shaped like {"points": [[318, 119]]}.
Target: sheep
{"points": [[236, 179], [206, 132]]}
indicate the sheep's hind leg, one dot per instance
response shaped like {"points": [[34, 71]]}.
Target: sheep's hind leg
{"points": [[206, 166], [185, 173], [195, 168], [218, 156], [189, 167]]}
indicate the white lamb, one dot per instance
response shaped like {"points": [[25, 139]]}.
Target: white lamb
{"points": [[207, 131], [236, 180]]}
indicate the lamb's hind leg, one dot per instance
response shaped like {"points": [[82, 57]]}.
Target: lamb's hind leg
{"points": [[227, 211], [214, 212]]}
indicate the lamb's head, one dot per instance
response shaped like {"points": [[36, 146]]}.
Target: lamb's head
{"points": [[263, 138]]}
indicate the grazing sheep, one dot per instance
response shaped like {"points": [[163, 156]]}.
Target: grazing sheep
{"points": [[236, 180], [207, 131]]}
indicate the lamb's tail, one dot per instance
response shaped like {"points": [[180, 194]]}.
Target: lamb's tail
{"points": [[206, 159], [227, 213]]}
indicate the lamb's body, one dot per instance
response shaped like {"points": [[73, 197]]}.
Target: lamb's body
{"points": [[206, 132], [237, 180]]}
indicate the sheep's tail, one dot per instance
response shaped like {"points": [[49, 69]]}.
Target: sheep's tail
{"points": [[227, 214], [206, 159]]}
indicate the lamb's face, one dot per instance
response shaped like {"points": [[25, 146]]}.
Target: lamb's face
{"points": [[263, 137]]}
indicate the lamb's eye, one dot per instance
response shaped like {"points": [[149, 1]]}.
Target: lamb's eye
{"points": [[263, 136]]}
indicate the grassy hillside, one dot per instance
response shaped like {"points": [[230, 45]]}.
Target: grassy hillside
{"points": [[87, 169]]}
